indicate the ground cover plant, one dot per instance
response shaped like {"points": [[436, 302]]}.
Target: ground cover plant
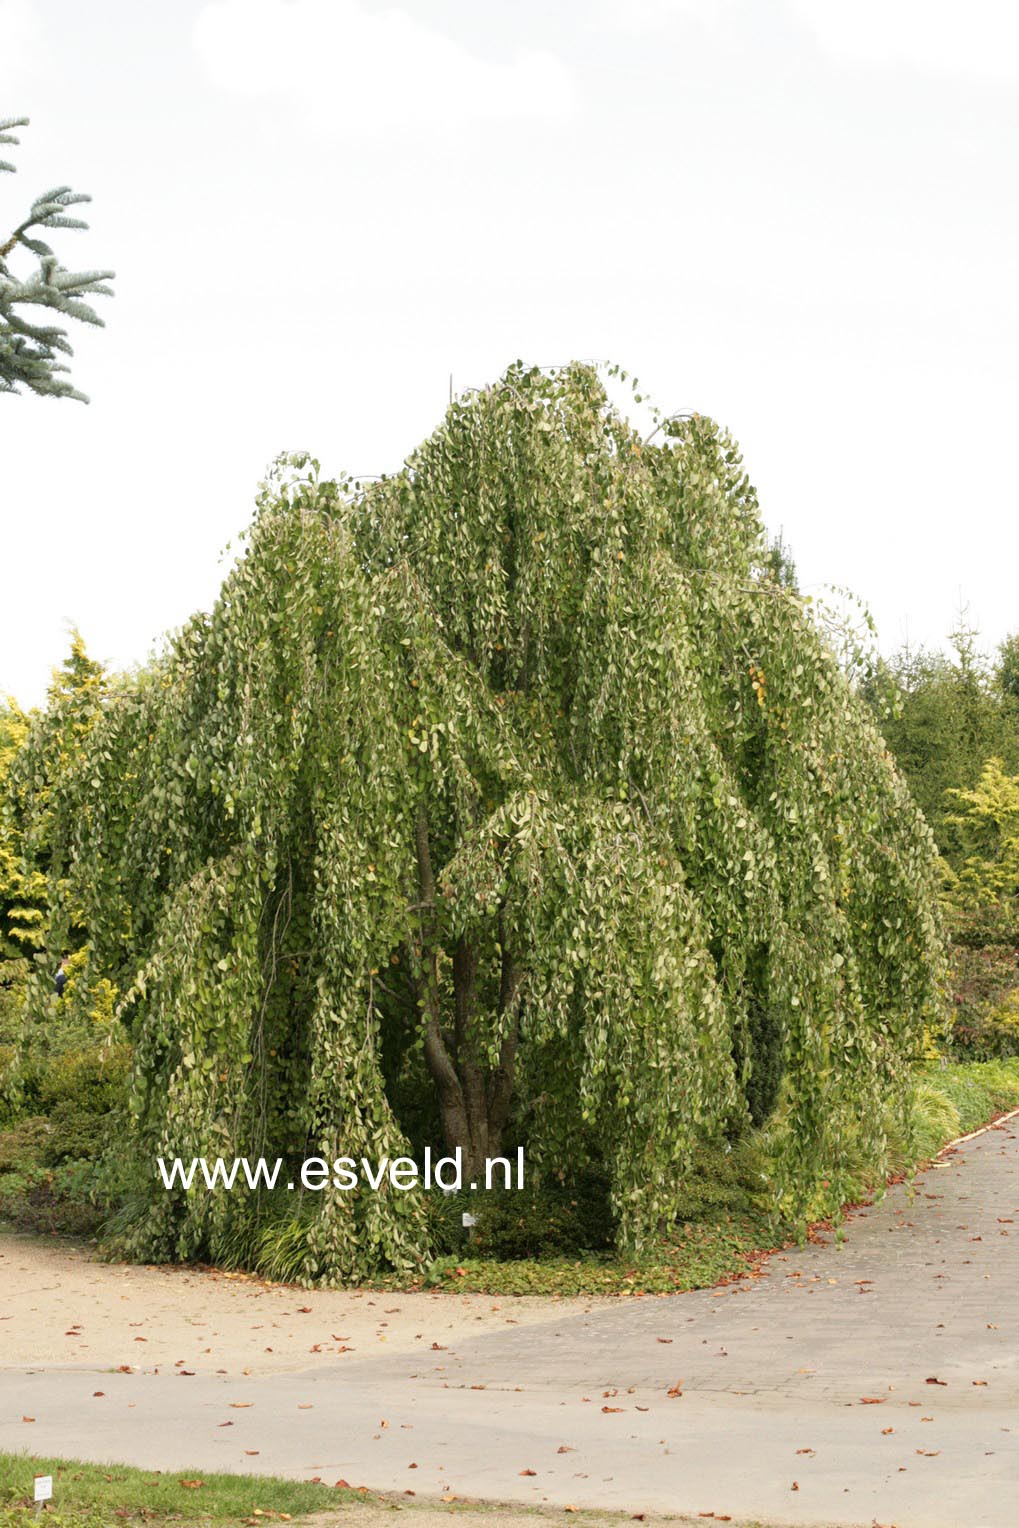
{"points": [[94, 1496], [511, 800]]}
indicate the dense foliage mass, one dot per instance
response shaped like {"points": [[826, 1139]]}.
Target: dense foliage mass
{"points": [[952, 721], [510, 799], [943, 715]]}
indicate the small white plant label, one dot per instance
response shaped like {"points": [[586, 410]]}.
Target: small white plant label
{"points": [[467, 1219], [43, 1487]]}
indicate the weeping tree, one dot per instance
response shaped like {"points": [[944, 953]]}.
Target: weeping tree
{"points": [[511, 798]]}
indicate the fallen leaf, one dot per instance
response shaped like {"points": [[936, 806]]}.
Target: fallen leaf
{"points": [[241, 1405], [932, 1380], [192, 1485], [528, 1472], [97, 1393], [28, 1419], [612, 1408]]}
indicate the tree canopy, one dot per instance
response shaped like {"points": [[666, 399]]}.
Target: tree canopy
{"points": [[509, 799], [30, 350], [943, 717]]}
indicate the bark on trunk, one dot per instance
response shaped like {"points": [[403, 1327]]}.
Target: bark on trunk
{"points": [[474, 1100]]}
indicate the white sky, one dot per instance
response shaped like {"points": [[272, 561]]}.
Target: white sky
{"points": [[799, 216]]}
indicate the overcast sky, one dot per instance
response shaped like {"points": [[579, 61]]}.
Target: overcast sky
{"points": [[799, 216]]}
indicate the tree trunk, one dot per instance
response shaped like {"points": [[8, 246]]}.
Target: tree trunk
{"points": [[474, 1100]]}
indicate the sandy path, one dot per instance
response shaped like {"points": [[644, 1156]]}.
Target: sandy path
{"points": [[59, 1308], [876, 1381]]}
